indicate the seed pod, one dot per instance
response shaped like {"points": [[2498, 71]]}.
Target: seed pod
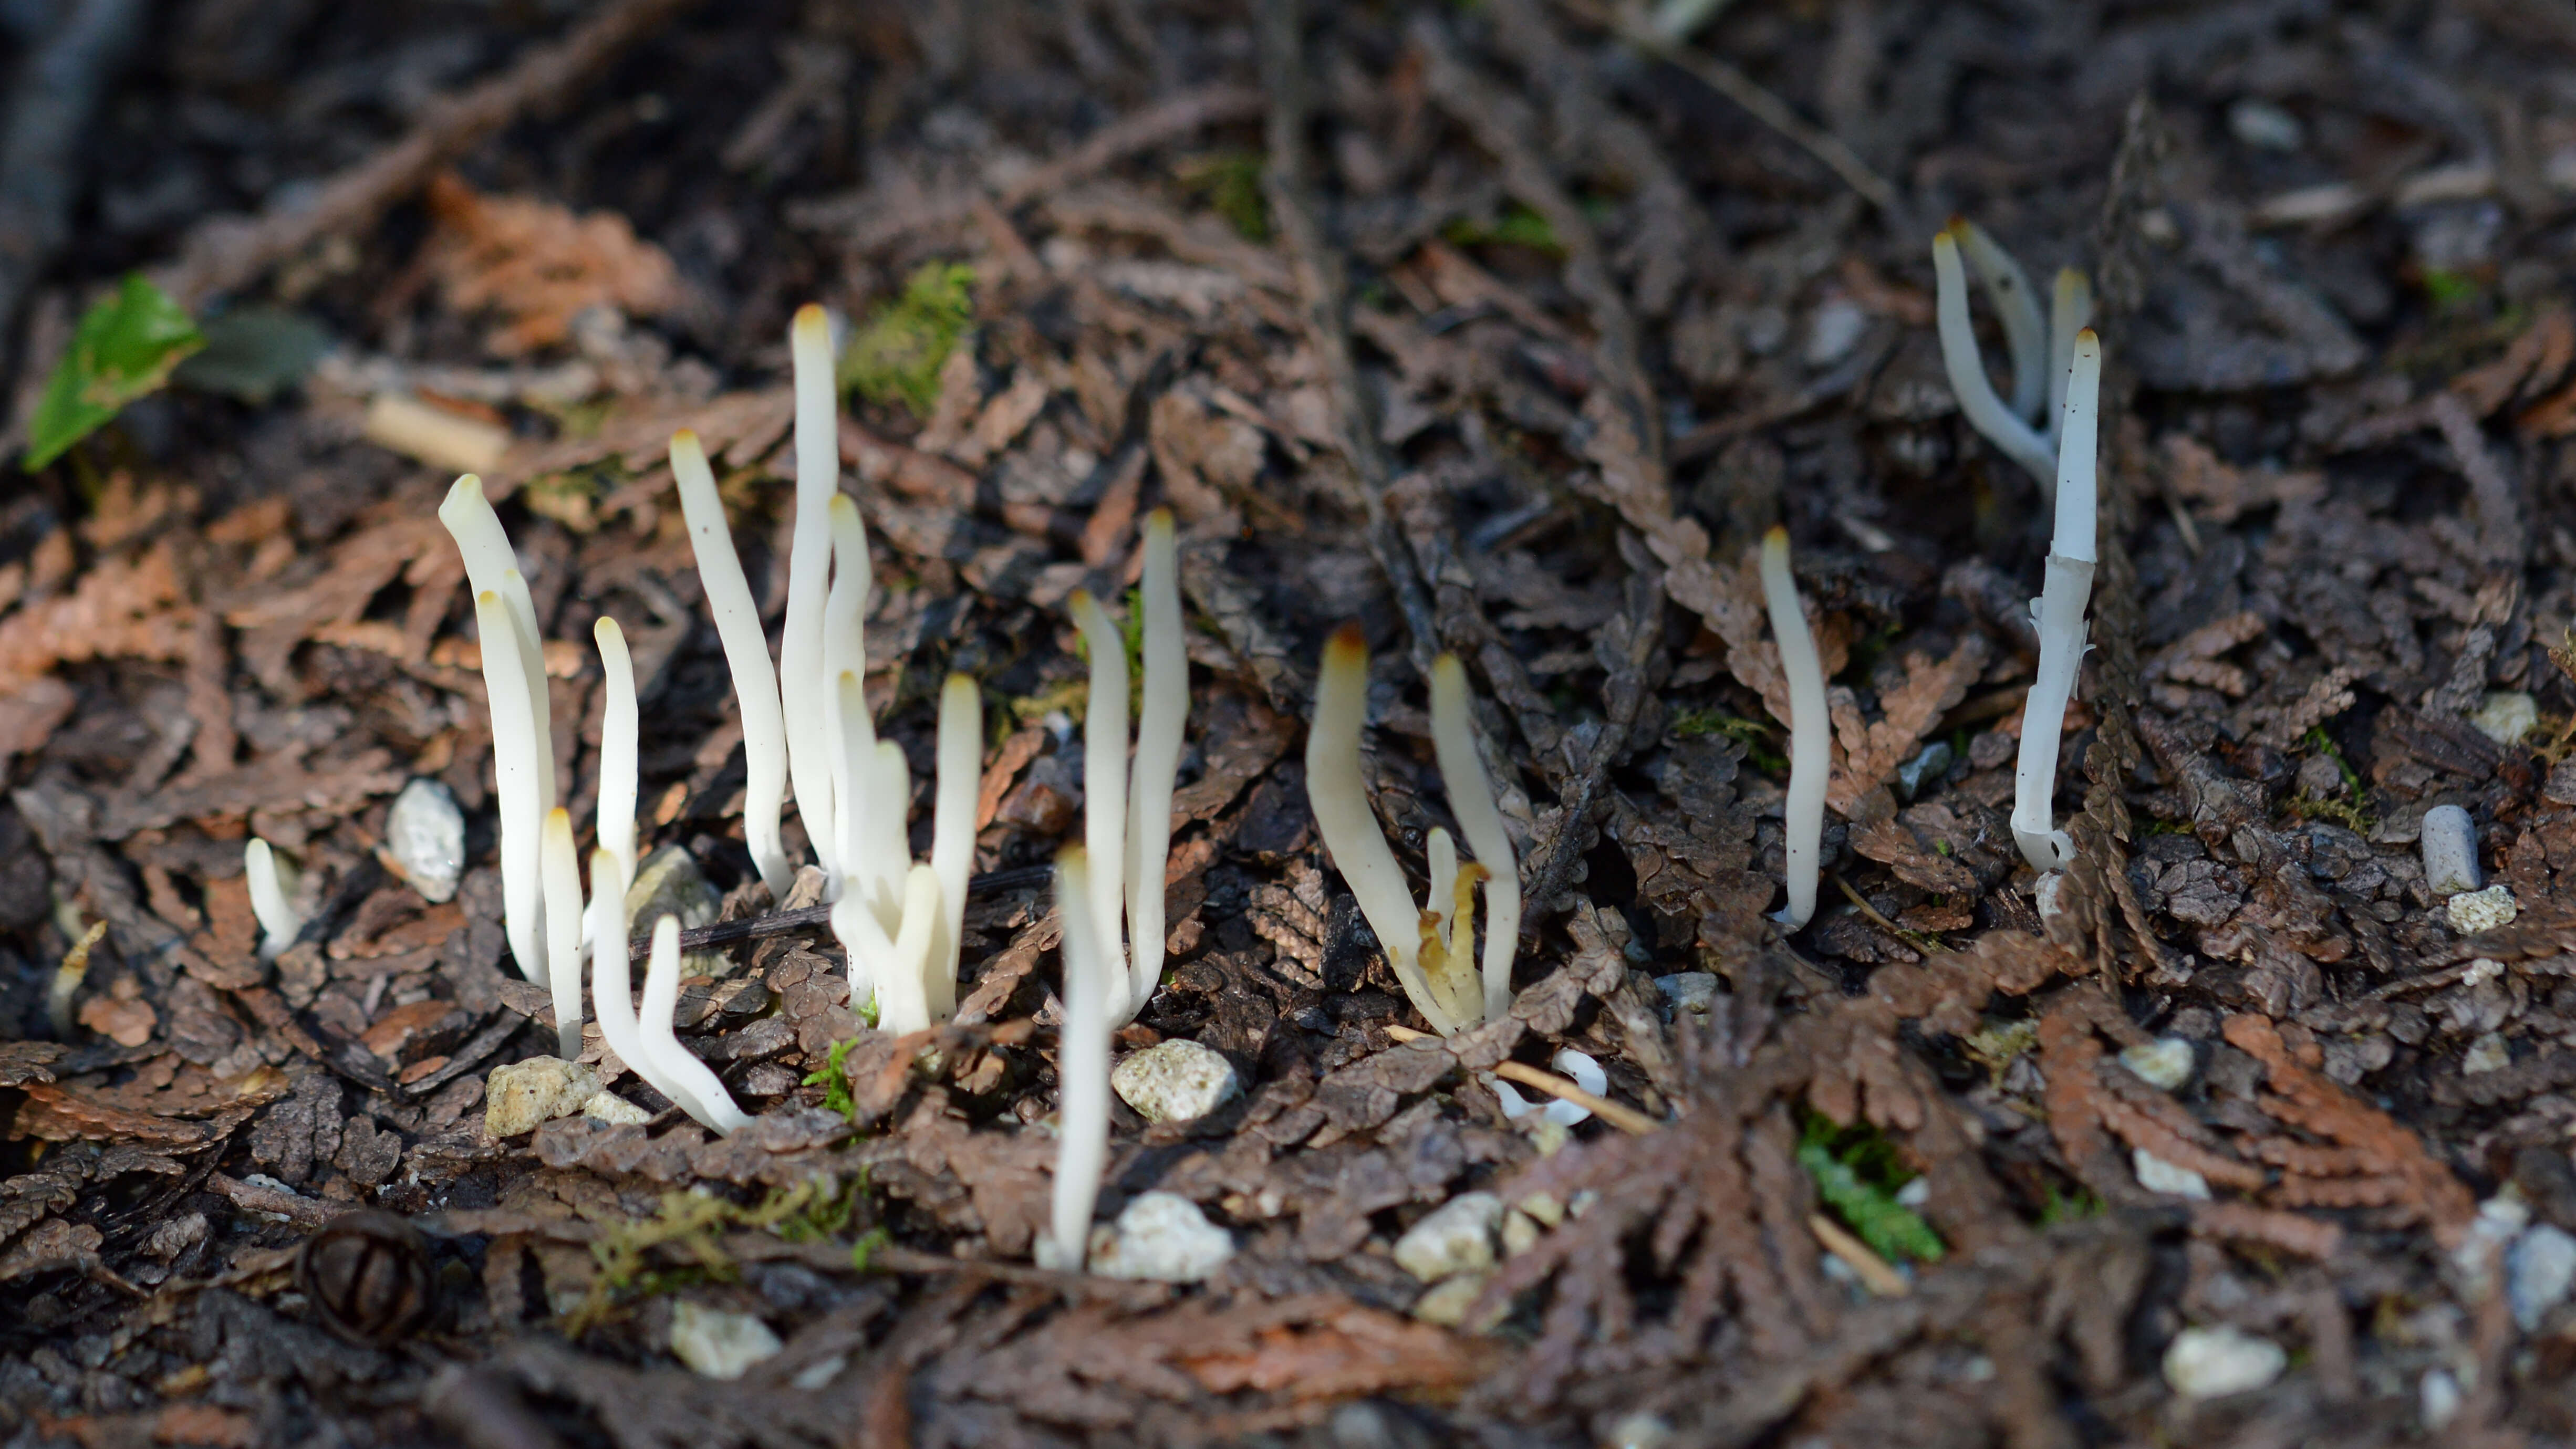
{"points": [[367, 1275]]}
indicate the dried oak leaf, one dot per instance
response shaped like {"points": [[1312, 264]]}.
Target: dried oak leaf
{"points": [[537, 264]]}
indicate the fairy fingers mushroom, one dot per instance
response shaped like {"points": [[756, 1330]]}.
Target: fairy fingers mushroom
{"points": [[2059, 612], [746, 651], [272, 897], [2016, 304], [1967, 371], [561, 867], [694, 1081], [1082, 1069], [619, 727], [1425, 946], [1809, 754], [612, 987], [1471, 799], [517, 750], [804, 681], [1159, 731]]}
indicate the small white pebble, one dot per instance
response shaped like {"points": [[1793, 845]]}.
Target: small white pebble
{"points": [[2265, 126], [1835, 331], [2487, 1054], [2165, 1063], [2540, 1273], [2482, 970], [2506, 715], [1457, 1237], [2439, 1398], [1161, 1237], [2207, 1363], [1447, 1302], [425, 840], [2486, 910], [717, 1344], [2157, 1175], [616, 1111], [2449, 841], [1175, 1081]]}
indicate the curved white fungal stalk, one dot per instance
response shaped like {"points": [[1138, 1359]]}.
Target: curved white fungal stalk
{"points": [[845, 651], [1425, 946], [2059, 613], [805, 675], [1159, 732], [2016, 304], [518, 747], [2070, 312], [690, 1084], [491, 565], [1091, 979], [901, 924], [272, 897], [560, 865], [1471, 799], [746, 650], [1810, 756], [1967, 371], [612, 989], [1127, 818], [619, 730]]}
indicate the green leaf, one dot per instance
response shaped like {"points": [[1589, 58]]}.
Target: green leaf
{"points": [[253, 353], [1889, 1227], [897, 355], [125, 348]]}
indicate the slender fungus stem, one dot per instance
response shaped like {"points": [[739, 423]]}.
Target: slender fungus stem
{"points": [[1471, 799], [2070, 311], [1082, 1070], [1967, 372], [1809, 752], [2059, 611], [272, 897], [952, 831], [746, 650], [1159, 733], [714, 1107], [2016, 304], [804, 684], [618, 745], [515, 748], [560, 865], [1104, 774]]}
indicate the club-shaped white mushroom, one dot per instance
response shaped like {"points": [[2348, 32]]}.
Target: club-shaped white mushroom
{"points": [[2059, 613], [514, 686], [1809, 750], [272, 897], [746, 651], [1430, 947], [1127, 819], [1091, 982]]}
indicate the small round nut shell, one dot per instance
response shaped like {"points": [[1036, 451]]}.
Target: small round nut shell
{"points": [[367, 1275]]}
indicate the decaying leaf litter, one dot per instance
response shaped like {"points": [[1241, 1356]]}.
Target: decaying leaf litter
{"points": [[1506, 330]]}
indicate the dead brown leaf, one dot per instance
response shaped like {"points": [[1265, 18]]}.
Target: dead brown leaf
{"points": [[537, 264]]}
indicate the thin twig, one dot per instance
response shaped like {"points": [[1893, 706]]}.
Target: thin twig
{"points": [[1774, 112], [1871, 914], [1317, 268], [1870, 1268], [1617, 1114], [228, 253]]}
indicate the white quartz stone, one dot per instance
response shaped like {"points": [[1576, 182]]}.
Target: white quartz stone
{"points": [[519, 1095], [1163, 1238], [1458, 1237], [718, 1344], [1175, 1081], [2206, 1363]]}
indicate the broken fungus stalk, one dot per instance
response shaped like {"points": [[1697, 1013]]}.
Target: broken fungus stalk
{"points": [[2059, 612], [1471, 799], [746, 651], [1984, 411], [272, 897], [1809, 752], [694, 1081], [560, 866], [1426, 946], [1082, 1068]]}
